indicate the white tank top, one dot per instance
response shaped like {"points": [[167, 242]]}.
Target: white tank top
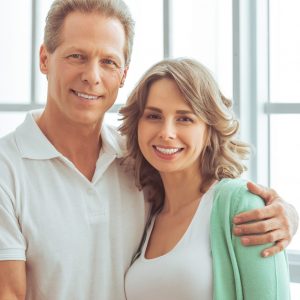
{"points": [[185, 272]]}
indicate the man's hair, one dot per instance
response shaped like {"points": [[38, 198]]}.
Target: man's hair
{"points": [[222, 153], [60, 9]]}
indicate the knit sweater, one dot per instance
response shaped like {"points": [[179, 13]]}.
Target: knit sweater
{"points": [[240, 273]]}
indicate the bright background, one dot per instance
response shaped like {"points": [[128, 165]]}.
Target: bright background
{"points": [[198, 28]]}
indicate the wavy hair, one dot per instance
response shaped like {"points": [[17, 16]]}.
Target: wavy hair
{"points": [[60, 9], [222, 154]]}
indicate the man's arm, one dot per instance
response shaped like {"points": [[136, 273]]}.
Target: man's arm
{"points": [[12, 280], [276, 223]]}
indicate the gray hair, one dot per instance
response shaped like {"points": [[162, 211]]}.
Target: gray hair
{"points": [[60, 9]]}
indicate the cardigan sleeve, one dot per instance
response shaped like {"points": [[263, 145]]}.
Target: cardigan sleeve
{"points": [[253, 277], [261, 278]]}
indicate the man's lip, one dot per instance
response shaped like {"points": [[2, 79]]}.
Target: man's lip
{"points": [[85, 93]]}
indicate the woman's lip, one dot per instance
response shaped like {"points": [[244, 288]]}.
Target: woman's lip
{"points": [[167, 153], [167, 150]]}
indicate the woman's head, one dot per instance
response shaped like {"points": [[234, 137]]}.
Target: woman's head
{"points": [[221, 154], [171, 135]]}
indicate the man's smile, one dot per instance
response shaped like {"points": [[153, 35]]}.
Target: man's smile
{"points": [[86, 96]]}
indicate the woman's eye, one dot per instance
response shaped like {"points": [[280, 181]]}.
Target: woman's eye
{"points": [[152, 117], [185, 119]]}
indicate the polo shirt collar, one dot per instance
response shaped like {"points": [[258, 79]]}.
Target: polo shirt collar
{"points": [[112, 142], [31, 141], [33, 144]]}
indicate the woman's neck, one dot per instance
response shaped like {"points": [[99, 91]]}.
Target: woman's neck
{"points": [[181, 190]]}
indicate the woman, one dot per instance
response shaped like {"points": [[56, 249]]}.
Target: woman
{"points": [[181, 133]]}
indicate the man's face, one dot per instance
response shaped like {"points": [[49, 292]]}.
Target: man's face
{"points": [[86, 70]]}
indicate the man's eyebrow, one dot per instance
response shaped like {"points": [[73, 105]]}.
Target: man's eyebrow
{"points": [[74, 48], [105, 54]]}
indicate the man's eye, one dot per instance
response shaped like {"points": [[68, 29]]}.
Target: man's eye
{"points": [[76, 56], [110, 63]]}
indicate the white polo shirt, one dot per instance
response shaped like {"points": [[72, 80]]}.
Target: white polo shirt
{"points": [[76, 236]]}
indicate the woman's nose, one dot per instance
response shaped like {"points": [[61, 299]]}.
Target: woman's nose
{"points": [[168, 131]]}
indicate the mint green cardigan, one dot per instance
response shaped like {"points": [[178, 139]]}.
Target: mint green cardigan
{"points": [[240, 273]]}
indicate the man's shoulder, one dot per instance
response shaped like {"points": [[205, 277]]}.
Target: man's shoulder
{"points": [[10, 160], [11, 157], [112, 136], [8, 145]]}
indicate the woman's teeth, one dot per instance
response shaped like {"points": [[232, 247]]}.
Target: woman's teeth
{"points": [[167, 150]]}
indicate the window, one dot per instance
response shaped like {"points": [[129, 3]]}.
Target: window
{"points": [[285, 96], [266, 63], [284, 51], [284, 109], [209, 27], [203, 29], [15, 52], [252, 47]]}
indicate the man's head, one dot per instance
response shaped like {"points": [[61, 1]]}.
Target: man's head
{"points": [[85, 59], [60, 9]]}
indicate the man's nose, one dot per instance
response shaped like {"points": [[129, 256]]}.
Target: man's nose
{"points": [[92, 73]]}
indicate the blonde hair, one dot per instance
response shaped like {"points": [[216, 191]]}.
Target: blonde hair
{"points": [[222, 154], [60, 9]]}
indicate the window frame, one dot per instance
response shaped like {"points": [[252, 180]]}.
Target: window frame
{"points": [[251, 86], [251, 92]]}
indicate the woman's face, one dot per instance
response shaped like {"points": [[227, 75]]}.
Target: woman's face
{"points": [[170, 135]]}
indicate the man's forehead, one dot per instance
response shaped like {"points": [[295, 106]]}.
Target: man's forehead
{"points": [[93, 29], [92, 20]]}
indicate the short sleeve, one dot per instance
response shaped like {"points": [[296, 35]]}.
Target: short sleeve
{"points": [[12, 242]]}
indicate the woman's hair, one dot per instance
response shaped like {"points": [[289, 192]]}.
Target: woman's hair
{"points": [[60, 9], [222, 153]]}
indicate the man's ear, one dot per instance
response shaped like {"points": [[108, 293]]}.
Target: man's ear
{"points": [[124, 76], [44, 57]]}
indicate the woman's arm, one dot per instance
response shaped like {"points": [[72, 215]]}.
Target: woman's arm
{"points": [[260, 278], [240, 272]]}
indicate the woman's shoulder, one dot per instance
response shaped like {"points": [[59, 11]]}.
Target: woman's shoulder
{"points": [[233, 194]]}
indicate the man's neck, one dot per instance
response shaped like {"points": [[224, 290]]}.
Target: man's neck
{"points": [[80, 144]]}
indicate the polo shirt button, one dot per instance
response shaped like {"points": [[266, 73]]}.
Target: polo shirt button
{"points": [[90, 191]]}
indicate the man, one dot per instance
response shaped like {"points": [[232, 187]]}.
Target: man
{"points": [[70, 216]]}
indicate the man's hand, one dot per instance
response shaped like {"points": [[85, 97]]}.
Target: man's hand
{"points": [[276, 223]]}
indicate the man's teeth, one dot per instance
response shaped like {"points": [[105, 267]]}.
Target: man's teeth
{"points": [[167, 150], [85, 96]]}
